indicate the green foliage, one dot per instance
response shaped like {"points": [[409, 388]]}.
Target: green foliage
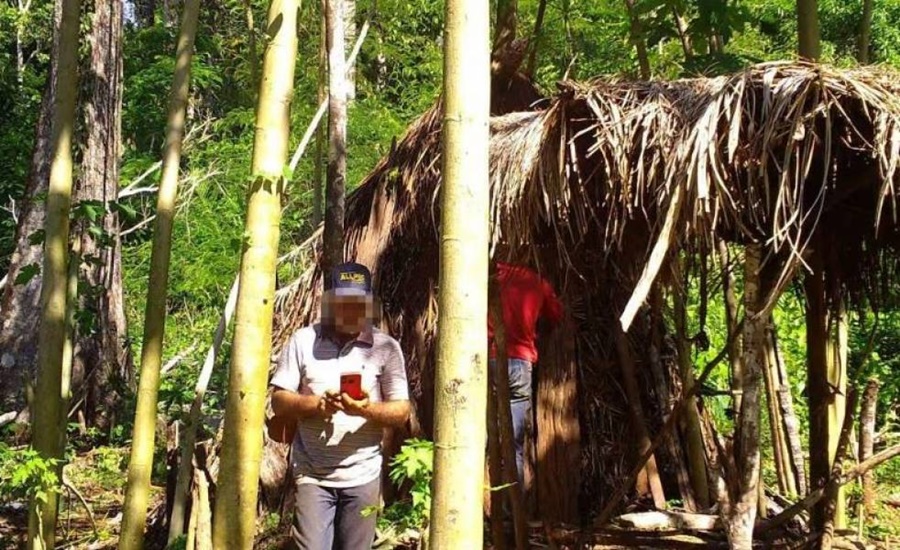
{"points": [[25, 474], [413, 466]]}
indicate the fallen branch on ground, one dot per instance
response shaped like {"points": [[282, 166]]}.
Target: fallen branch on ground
{"points": [[71, 488]]}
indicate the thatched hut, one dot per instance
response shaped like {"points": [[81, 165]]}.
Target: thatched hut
{"points": [[599, 187]]}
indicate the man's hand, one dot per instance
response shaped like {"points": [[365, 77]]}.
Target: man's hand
{"points": [[355, 407], [330, 403]]}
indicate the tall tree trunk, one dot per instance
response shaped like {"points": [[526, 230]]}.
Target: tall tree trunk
{"points": [[739, 499], [48, 439], [819, 394], [140, 465], [691, 425], [864, 42], [638, 425], [789, 419], [350, 32], [637, 39], [102, 361], [808, 29], [837, 406], [507, 22], [337, 137], [536, 38], [321, 95], [20, 298], [235, 513], [461, 370], [867, 444]]}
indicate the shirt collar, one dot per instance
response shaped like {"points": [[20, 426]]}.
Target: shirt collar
{"points": [[367, 336]]}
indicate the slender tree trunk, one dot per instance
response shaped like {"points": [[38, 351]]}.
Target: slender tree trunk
{"points": [[102, 361], [741, 494], [321, 95], [808, 29], [23, 9], [641, 437], [47, 437], [867, 442], [461, 371], [350, 32], [819, 394], [637, 39], [691, 424], [140, 465], [536, 38], [337, 137], [833, 497], [864, 42], [20, 298], [791, 424], [235, 514]]}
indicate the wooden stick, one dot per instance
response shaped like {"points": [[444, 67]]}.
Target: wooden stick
{"points": [[680, 407], [642, 439], [498, 537], [507, 446], [814, 497]]}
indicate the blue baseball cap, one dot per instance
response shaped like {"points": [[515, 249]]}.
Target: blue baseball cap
{"points": [[349, 279]]}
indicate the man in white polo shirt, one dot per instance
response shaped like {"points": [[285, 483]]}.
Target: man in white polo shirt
{"points": [[336, 453]]}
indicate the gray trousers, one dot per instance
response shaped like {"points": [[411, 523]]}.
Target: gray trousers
{"points": [[331, 519]]}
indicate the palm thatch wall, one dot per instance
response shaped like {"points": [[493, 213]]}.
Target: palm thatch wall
{"points": [[586, 184]]}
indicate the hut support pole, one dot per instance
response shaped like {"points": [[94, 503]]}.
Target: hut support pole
{"points": [[691, 423], [629, 375], [739, 487], [817, 376]]}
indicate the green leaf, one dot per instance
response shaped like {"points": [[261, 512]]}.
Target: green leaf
{"points": [[27, 273]]}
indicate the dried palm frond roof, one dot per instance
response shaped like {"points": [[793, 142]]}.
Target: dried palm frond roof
{"points": [[766, 155]]}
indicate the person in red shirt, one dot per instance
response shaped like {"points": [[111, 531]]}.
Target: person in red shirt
{"points": [[525, 298]]}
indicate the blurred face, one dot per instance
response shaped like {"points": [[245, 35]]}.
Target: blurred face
{"points": [[351, 314]]}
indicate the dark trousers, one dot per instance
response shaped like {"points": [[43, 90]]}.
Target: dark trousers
{"points": [[520, 406], [332, 519]]}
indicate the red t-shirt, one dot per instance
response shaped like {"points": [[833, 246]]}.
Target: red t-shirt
{"points": [[525, 297]]}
